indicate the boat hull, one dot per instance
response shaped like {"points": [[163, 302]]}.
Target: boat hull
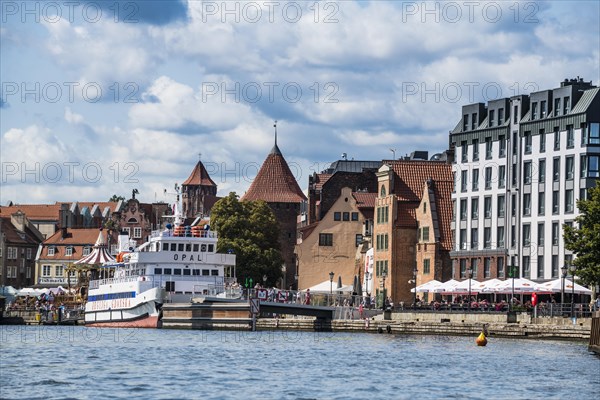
{"points": [[142, 322]]}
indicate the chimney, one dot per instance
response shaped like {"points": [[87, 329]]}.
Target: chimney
{"points": [[63, 232], [18, 221]]}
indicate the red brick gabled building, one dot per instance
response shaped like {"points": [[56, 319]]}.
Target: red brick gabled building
{"points": [[398, 213], [276, 185], [199, 193]]}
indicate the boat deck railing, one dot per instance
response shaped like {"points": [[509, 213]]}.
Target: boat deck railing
{"points": [[187, 234]]}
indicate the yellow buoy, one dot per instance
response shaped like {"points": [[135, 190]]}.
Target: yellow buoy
{"points": [[481, 340]]}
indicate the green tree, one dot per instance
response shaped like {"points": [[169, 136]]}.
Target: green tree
{"points": [[116, 198], [251, 231], [584, 240]]}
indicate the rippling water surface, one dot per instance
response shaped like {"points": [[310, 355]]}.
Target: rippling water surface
{"points": [[78, 362]]}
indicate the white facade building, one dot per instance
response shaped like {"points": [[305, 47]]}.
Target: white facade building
{"points": [[520, 166]]}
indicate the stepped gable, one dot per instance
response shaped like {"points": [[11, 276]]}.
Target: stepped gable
{"points": [[199, 177], [274, 182]]}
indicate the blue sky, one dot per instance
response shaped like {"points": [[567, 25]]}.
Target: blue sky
{"points": [[107, 96]]}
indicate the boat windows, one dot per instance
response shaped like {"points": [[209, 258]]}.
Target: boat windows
{"points": [[203, 248], [196, 247], [177, 271], [165, 246], [186, 272], [214, 272], [173, 246], [180, 247], [211, 248], [196, 272], [188, 247], [168, 271], [205, 272], [158, 271]]}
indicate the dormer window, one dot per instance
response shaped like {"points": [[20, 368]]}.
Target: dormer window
{"points": [[86, 250], [382, 193], [51, 250], [69, 251]]}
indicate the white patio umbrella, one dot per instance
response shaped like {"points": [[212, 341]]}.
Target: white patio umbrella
{"points": [[555, 286], [521, 285], [427, 286], [489, 286], [445, 287], [463, 287]]}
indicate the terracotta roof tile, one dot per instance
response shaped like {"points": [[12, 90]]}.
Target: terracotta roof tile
{"points": [[321, 179], [443, 202], [413, 174], [36, 212], [274, 182], [199, 177], [308, 229], [78, 238], [364, 199]]}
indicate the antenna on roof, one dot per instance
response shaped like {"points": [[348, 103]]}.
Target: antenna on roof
{"points": [[199, 156], [275, 126]]}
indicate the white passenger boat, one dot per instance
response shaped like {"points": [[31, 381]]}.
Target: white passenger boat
{"points": [[174, 265]]}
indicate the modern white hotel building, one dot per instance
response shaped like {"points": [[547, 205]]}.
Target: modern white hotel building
{"points": [[520, 164]]}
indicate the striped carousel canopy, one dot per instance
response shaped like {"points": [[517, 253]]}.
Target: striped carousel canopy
{"points": [[99, 254]]}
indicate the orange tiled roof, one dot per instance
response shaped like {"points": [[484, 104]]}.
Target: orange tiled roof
{"points": [[274, 182], [199, 177], [364, 199], [78, 238], [321, 179], [413, 174], [308, 229], [36, 212], [443, 201]]}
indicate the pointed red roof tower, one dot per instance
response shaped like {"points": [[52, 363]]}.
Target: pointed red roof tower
{"points": [[275, 182], [276, 185], [199, 192]]}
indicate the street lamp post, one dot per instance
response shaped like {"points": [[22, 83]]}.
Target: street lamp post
{"points": [[563, 275], [331, 274], [573, 268], [383, 275], [469, 275], [415, 271]]}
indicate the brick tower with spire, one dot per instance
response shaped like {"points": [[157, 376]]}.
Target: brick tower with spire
{"points": [[276, 185], [199, 193]]}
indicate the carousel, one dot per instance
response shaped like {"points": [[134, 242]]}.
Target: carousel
{"points": [[91, 267]]}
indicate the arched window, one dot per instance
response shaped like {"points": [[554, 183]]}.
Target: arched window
{"points": [[382, 193], [132, 221]]}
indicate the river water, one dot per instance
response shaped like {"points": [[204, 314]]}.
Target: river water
{"points": [[45, 362]]}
